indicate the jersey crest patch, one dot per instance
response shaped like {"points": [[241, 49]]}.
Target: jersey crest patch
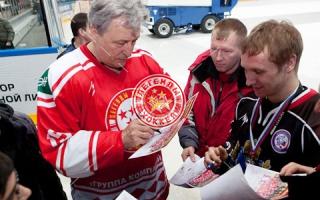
{"points": [[280, 141], [120, 112]]}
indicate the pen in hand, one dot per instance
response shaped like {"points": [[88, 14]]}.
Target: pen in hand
{"points": [[215, 168]]}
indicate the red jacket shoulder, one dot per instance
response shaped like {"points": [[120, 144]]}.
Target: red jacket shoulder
{"points": [[199, 59]]}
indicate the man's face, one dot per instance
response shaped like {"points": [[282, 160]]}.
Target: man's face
{"points": [[113, 47], [266, 79], [225, 53], [15, 191], [10, 187]]}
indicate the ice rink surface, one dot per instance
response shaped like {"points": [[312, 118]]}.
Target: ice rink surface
{"points": [[175, 54]]}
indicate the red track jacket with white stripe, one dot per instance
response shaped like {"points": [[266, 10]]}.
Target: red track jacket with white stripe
{"points": [[209, 123]]}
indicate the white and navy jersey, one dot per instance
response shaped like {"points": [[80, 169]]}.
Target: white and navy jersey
{"points": [[294, 137]]}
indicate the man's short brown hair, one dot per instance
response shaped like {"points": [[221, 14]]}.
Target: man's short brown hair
{"points": [[225, 27], [281, 39]]}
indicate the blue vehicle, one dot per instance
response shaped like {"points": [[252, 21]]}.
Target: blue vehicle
{"points": [[168, 18]]}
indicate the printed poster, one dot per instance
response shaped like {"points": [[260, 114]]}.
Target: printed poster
{"points": [[257, 183], [163, 136], [193, 174]]}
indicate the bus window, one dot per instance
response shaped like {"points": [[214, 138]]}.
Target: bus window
{"points": [[66, 10], [59, 15], [26, 20], [41, 27], [39, 23]]}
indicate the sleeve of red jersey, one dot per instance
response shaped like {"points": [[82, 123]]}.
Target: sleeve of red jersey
{"points": [[74, 152]]}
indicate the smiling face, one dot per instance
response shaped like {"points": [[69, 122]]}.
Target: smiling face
{"points": [[270, 57], [266, 78], [115, 45], [225, 52]]}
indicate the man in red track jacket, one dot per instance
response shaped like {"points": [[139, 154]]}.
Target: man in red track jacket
{"points": [[219, 79]]}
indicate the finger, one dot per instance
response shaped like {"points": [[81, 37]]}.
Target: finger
{"points": [[283, 171], [140, 141], [222, 153], [144, 128], [192, 156], [287, 169], [145, 136], [214, 155], [208, 159], [184, 155]]}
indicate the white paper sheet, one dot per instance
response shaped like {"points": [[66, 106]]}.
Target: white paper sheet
{"points": [[158, 141], [233, 185], [193, 174], [165, 134], [124, 195], [265, 182], [229, 186]]}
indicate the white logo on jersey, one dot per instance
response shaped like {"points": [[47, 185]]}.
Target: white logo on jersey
{"points": [[43, 81], [244, 119]]}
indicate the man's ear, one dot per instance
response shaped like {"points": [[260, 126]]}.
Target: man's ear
{"points": [[82, 32], [88, 33], [92, 31], [291, 63]]}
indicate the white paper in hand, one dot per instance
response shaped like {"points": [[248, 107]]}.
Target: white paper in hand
{"points": [[257, 183], [232, 185], [193, 174], [124, 195], [162, 137], [265, 182]]}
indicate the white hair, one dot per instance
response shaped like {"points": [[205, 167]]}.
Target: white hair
{"points": [[102, 12]]}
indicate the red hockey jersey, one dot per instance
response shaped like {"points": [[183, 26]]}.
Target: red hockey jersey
{"points": [[82, 107]]}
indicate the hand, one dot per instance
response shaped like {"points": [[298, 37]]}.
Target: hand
{"points": [[8, 43], [293, 168], [136, 134], [216, 155], [189, 151]]}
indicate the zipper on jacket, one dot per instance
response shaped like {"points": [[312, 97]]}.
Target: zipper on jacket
{"points": [[219, 96]]}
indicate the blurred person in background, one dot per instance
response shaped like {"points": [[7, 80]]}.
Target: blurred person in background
{"points": [[10, 189], [6, 34], [18, 140], [79, 26]]}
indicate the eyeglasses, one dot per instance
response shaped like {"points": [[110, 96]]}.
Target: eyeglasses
{"points": [[222, 52]]}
